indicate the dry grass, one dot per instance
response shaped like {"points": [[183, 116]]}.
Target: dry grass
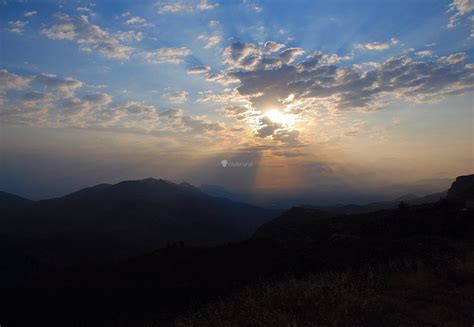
{"points": [[402, 294]]}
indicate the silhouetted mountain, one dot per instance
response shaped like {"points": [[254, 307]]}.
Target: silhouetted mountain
{"points": [[125, 219], [411, 199], [337, 195], [462, 189], [158, 286], [10, 203]]}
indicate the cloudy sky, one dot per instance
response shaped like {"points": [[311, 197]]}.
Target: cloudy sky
{"points": [[294, 95]]}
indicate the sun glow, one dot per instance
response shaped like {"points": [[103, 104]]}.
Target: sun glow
{"points": [[280, 117]]}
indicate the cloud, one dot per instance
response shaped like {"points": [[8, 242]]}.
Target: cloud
{"points": [[85, 10], [238, 112], [211, 41], [289, 55], [129, 36], [56, 104], [98, 98], [17, 27], [204, 5], [167, 55], [183, 6], [454, 58], [461, 8], [222, 78], [351, 88], [200, 125], [134, 20], [10, 81], [271, 46], [248, 56], [35, 96], [379, 46], [199, 70], [252, 5], [177, 121], [89, 37], [268, 127], [213, 23], [173, 7], [64, 87], [242, 55], [30, 13], [286, 136], [424, 53], [131, 115], [176, 96]]}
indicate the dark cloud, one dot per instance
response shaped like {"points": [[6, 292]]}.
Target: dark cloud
{"points": [[351, 87]]}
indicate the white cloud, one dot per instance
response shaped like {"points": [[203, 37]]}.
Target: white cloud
{"points": [[173, 7], [379, 46], [10, 81], [424, 53], [88, 36], [30, 13], [461, 8], [129, 36], [271, 46], [176, 96], [17, 27], [135, 20], [454, 58], [211, 41], [167, 55], [183, 6], [85, 10], [204, 5]]}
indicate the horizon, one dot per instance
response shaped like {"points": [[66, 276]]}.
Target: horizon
{"points": [[342, 100], [280, 200]]}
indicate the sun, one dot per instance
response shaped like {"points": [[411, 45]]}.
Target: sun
{"points": [[279, 117]]}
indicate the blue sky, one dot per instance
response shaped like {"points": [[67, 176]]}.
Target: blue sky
{"points": [[337, 84]]}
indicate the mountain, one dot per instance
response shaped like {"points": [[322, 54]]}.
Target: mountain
{"points": [[411, 199], [108, 222], [156, 287], [462, 190], [10, 203], [337, 195], [420, 216]]}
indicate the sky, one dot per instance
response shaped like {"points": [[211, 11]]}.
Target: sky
{"points": [[270, 95]]}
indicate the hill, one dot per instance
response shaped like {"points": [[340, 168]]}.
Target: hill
{"points": [[109, 222]]}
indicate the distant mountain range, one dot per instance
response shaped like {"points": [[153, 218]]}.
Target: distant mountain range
{"points": [[106, 222], [331, 195]]}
